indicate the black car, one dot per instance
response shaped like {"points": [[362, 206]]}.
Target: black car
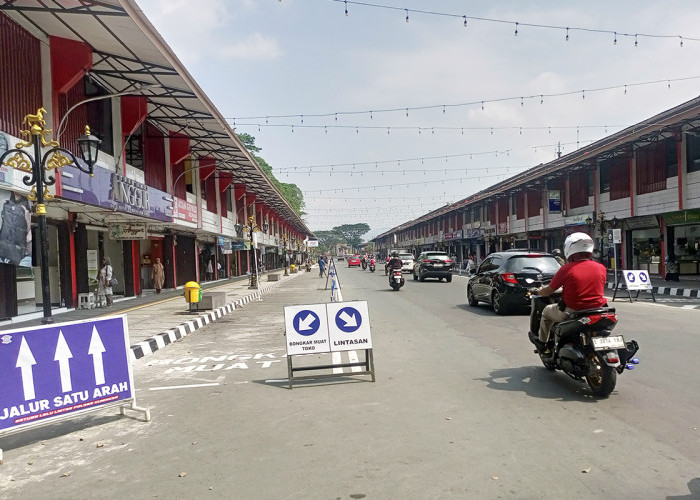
{"points": [[503, 278], [433, 265]]}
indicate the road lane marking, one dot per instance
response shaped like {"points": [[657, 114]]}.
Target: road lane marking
{"points": [[354, 359], [182, 386], [337, 359]]}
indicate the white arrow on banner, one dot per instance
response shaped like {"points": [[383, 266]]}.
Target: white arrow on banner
{"points": [[95, 350], [305, 324], [63, 354], [349, 319], [25, 361]]}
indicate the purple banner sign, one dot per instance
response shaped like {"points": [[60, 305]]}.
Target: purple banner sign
{"points": [[52, 371], [115, 192]]}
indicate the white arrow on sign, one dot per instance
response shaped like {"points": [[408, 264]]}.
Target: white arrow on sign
{"points": [[349, 319], [305, 324], [25, 361], [95, 350], [63, 354]]}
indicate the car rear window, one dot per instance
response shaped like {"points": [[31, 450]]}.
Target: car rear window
{"points": [[405, 256], [532, 264], [436, 256]]}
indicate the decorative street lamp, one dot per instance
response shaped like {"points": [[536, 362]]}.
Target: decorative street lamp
{"points": [[600, 223], [284, 246], [37, 166], [252, 227]]}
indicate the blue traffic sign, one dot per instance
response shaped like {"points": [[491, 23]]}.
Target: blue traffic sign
{"points": [[68, 368], [306, 322], [630, 277], [348, 319], [643, 277]]}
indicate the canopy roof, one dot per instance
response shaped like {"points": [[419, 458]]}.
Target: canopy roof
{"points": [[129, 54]]}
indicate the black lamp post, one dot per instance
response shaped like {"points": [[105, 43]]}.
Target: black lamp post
{"points": [[37, 166], [601, 224]]}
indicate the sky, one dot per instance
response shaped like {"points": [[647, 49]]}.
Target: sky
{"points": [[380, 120]]}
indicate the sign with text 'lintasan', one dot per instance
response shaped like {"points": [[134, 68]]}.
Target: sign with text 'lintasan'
{"points": [[58, 370], [318, 328]]}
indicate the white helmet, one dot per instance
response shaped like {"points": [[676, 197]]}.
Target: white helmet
{"points": [[577, 243]]}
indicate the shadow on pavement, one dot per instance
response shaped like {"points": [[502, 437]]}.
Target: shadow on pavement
{"points": [[693, 487]]}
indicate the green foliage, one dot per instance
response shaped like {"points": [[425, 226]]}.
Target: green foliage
{"points": [[351, 233], [291, 192], [327, 240]]}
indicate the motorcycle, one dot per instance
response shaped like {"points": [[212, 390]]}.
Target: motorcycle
{"points": [[396, 280], [371, 265], [583, 346]]}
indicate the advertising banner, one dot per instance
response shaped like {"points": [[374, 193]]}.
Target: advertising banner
{"points": [[185, 210], [224, 245], [554, 201], [15, 229], [57, 370]]}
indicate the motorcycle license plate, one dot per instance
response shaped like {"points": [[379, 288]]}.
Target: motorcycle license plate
{"points": [[397, 278], [605, 343]]}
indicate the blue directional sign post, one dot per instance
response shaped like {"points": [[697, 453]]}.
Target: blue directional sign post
{"points": [[348, 326], [57, 371], [326, 328], [307, 329]]}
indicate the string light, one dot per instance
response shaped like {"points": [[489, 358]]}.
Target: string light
{"points": [[471, 103], [465, 17]]}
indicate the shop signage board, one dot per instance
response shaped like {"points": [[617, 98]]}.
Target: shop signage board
{"points": [[185, 210], [682, 217], [224, 245], [312, 243], [57, 371], [554, 201], [116, 192], [127, 232]]}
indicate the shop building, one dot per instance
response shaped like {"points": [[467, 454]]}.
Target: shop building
{"points": [[172, 181], [643, 181]]}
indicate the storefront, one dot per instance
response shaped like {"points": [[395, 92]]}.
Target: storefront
{"points": [[643, 243], [683, 240]]}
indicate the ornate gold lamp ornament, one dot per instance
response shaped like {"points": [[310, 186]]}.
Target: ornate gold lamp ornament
{"points": [[37, 166]]}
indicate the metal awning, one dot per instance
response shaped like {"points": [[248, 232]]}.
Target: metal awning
{"points": [[128, 54]]}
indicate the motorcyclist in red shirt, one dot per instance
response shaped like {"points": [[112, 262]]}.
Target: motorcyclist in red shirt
{"points": [[583, 280]]}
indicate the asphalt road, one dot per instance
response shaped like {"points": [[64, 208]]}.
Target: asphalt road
{"points": [[461, 408]]}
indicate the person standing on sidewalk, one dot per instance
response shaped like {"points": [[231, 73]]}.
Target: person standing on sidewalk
{"points": [[158, 275], [321, 266], [104, 281]]}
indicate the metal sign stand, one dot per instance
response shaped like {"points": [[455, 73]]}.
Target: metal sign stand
{"points": [[622, 283], [335, 281], [368, 365]]}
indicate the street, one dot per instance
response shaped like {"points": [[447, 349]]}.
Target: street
{"points": [[461, 408]]}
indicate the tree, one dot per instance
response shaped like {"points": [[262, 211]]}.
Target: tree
{"points": [[328, 240], [291, 192], [352, 233]]}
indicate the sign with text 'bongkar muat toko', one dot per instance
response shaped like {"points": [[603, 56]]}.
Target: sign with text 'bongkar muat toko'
{"points": [[58, 370]]}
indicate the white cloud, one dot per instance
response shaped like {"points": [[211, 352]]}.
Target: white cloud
{"points": [[254, 47]]}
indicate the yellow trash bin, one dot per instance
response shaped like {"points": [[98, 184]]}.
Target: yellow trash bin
{"points": [[193, 292]]}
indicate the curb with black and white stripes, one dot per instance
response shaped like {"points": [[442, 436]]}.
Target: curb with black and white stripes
{"points": [[665, 290], [151, 345]]}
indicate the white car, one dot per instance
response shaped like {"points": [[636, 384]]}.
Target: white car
{"points": [[407, 261]]}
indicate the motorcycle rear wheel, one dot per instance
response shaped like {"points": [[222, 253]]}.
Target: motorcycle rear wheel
{"points": [[601, 378]]}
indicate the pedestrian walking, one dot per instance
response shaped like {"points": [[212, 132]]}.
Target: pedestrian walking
{"points": [[105, 281], [158, 275], [322, 266]]}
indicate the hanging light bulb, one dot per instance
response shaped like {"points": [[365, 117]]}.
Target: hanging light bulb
{"points": [[635, 41], [567, 34], [681, 40], [615, 40], [406, 15], [465, 21], [516, 30], [346, 8]]}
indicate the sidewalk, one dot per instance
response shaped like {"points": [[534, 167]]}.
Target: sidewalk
{"points": [[686, 286], [157, 320]]}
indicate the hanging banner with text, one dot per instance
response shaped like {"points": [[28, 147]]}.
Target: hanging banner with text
{"points": [[54, 371]]}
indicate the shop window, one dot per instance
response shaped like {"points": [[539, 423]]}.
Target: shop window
{"points": [[133, 149], [615, 177], [605, 176], [671, 145], [534, 202], [591, 183], [578, 189], [99, 116], [651, 168], [693, 152], [518, 205]]}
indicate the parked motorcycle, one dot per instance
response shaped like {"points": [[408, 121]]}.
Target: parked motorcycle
{"points": [[372, 265], [583, 346], [396, 280]]}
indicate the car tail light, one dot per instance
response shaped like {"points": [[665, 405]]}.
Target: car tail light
{"points": [[509, 278], [448, 261], [428, 261]]}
